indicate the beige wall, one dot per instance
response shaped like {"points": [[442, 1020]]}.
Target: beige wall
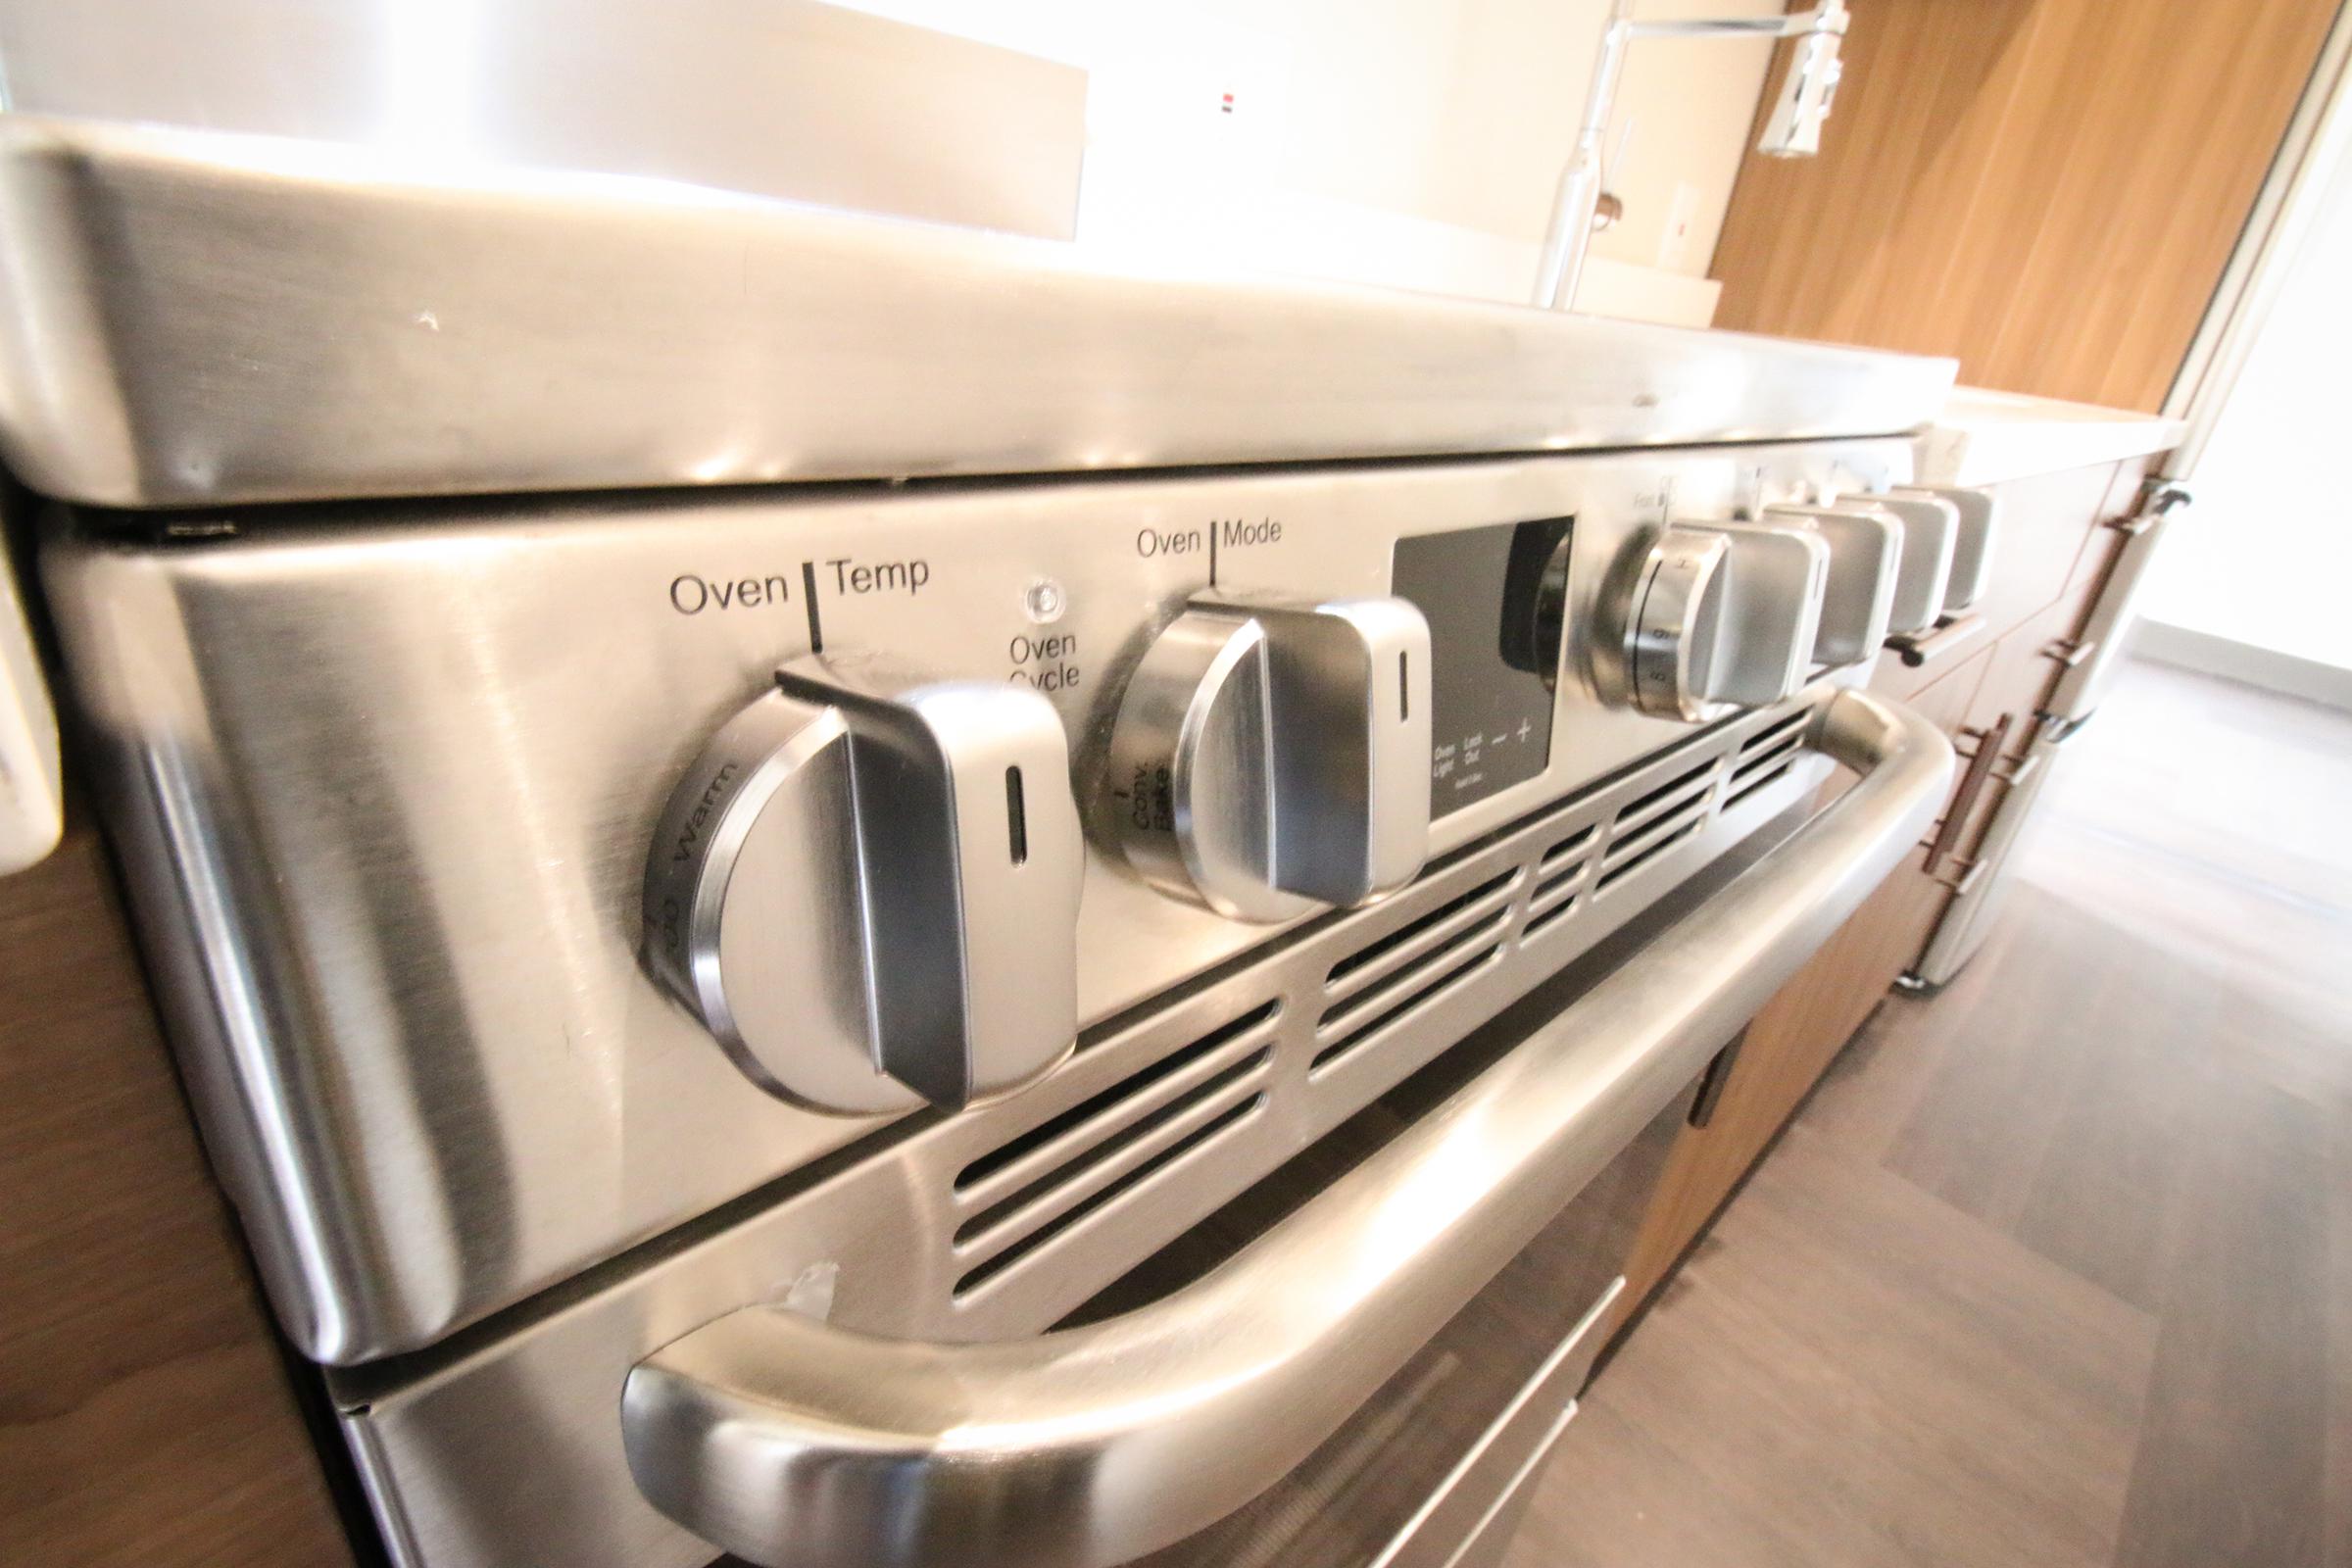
{"points": [[1428, 132]]}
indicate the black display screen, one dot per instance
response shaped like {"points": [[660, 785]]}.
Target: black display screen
{"points": [[1494, 654]]}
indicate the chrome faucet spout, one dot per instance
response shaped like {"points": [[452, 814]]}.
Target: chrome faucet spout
{"points": [[1793, 129]]}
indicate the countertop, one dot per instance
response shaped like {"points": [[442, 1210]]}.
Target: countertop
{"points": [[1984, 437]]}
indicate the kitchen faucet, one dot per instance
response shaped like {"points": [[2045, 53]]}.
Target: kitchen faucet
{"points": [[1793, 132]]}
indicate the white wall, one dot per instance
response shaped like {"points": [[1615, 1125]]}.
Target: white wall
{"points": [[1406, 142], [2265, 556]]}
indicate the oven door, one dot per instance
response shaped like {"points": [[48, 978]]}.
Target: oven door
{"points": [[1239, 1400], [1430, 1472]]}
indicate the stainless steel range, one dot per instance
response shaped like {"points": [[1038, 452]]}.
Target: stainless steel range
{"points": [[1102, 974]]}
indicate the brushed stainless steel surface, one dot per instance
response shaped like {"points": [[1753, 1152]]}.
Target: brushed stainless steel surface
{"points": [[1462, 1509], [1001, 1221], [1931, 541], [1719, 617], [197, 317], [1979, 515], [1777, 578], [386, 780], [2106, 630], [871, 900], [1269, 758], [792, 1442], [814, 103], [1857, 600]]}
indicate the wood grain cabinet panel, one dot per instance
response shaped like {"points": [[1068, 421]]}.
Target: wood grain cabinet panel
{"points": [[2047, 189], [146, 1420]]}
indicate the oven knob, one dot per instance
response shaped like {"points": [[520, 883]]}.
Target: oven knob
{"points": [[1718, 616], [1269, 757], [868, 890], [1866, 546], [1978, 514], [1931, 540]]}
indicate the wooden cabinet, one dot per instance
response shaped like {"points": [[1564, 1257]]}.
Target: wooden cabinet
{"points": [[146, 1416], [1982, 687], [2048, 189]]}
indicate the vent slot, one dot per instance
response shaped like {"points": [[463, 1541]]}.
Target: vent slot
{"points": [[980, 1274], [1128, 1089], [1637, 844], [1666, 838], [1360, 967], [1773, 735], [1072, 1174], [1662, 800], [1538, 924], [1407, 990], [1569, 849], [1743, 787]]}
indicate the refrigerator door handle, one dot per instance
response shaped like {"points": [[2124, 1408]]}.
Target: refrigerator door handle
{"points": [[796, 1444]]}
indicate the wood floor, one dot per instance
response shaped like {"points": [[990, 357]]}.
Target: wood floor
{"points": [[2055, 1268]]}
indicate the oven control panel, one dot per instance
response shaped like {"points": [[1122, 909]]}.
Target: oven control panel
{"points": [[641, 850]]}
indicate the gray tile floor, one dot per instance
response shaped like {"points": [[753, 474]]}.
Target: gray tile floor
{"points": [[2056, 1267]]}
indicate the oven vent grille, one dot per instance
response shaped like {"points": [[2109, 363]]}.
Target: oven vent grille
{"points": [[1647, 827], [1037, 1185], [1390, 978], [1561, 874], [1766, 759]]}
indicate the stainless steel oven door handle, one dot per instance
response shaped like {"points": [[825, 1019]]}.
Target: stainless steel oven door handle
{"points": [[798, 1444]]}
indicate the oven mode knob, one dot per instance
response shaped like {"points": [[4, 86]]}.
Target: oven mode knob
{"points": [[1715, 618], [868, 890], [1270, 758]]}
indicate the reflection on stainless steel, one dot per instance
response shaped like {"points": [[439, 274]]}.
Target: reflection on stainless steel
{"points": [[999, 1222], [871, 899], [406, 965], [785, 98], [1865, 545], [192, 318], [1714, 618], [1931, 541], [1270, 757], [1977, 512], [799, 1445]]}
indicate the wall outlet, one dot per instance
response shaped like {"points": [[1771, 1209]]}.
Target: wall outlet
{"points": [[1682, 215]]}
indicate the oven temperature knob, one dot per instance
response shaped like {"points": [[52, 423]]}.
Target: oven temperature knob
{"points": [[1716, 617], [1269, 757], [868, 890]]}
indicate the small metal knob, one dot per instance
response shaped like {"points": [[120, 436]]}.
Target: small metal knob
{"points": [[1269, 757], [1857, 602], [1931, 540], [868, 892], [1720, 616], [1978, 514]]}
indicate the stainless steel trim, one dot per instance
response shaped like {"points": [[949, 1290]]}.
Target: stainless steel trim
{"points": [[200, 318], [1560, 1368], [798, 1444]]}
